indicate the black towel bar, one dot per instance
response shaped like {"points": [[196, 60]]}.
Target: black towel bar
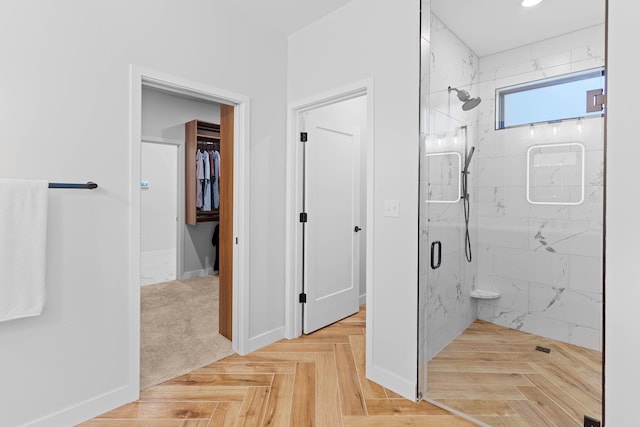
{"points": [[89, 185]]}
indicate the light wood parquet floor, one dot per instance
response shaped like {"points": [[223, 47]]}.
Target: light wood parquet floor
{"points": [[316, 380], [495, 375], [491, 373]]}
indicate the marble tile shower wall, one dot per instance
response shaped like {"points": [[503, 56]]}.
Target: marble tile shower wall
{"points": [[544, 259], [446, 61]]}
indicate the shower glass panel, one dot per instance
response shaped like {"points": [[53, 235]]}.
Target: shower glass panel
{"points": [[523, 221], [446, 278]]}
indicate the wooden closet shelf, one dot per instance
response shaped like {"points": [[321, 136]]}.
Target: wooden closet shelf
{"points": [[207, 218], [206, 145], [204, 216], [205, 136], [208, 130]]}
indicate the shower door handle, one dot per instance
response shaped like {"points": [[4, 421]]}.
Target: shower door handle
{"points": [[436, 245]]}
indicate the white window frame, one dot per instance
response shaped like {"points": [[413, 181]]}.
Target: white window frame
{"points": [[552, 81]]}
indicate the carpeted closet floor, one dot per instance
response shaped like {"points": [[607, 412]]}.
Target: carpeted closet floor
{"points": [[179, 329]]}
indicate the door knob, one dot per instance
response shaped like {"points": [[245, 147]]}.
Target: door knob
{"points": [[356, 229]]}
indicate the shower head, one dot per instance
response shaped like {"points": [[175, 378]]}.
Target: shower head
{"points": [[471, 103], [468, 102]]}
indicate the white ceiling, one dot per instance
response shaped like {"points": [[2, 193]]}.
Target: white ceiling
{"points": [[284, 16], [486, 26], [490, 26]]}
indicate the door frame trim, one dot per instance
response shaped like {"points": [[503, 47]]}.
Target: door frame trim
{"points": [[139, 77], [293, 193]]}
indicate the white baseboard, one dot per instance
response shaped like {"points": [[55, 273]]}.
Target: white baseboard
{"points": [[363, 299], [404, 388], [197, 273], [86, 410], [266, 338]]}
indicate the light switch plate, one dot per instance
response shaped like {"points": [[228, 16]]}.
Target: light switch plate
{"points": [[392, 208]]}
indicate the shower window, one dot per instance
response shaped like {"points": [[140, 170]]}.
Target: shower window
{"points": [[538, 101]]}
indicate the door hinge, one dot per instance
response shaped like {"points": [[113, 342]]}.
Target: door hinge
{"points": [[303, 137], [303, 217], [595, 100], [302, 298]]}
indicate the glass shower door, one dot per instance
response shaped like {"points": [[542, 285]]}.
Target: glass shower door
{"points": [[445, 307]]}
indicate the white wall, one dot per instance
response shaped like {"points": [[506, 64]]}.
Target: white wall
{"points": [[622, 346], [64, 116], [378, 39], [164, 114]]}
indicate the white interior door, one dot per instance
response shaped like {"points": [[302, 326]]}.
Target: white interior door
{"points": [[331, 233], [158, 213]]}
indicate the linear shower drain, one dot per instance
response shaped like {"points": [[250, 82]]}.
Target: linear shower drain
{"points": [[543, 349]]}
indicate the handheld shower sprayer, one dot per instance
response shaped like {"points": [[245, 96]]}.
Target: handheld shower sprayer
{"points": [[468, 159]]}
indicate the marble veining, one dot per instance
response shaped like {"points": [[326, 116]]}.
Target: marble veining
{"points": [[535, 64], [543, 243], [549, 246], [556, 297]]}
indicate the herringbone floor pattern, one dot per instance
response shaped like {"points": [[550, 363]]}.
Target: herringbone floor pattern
{"points": [[489, 372], [496, 375], [316, 380]]}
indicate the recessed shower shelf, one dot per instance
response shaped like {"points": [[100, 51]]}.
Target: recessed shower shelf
{"points": [[482, 294]]}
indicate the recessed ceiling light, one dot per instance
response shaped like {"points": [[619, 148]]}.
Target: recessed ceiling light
{"points": [[529, 3]]}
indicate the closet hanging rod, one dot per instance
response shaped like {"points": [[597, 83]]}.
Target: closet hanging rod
{"points": [[88, 186]]}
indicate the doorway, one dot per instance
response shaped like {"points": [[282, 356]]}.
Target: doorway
{"points": [[185, 315], [328, 199], [238, 306]]}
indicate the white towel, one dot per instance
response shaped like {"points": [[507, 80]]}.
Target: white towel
{"points": [[23, 243]]}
